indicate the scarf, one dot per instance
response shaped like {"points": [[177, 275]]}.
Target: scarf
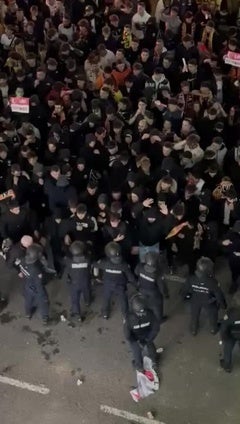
{"points": [[126, 39]]}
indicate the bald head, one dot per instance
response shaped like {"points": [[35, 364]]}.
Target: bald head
{"points": [[26, 241]]}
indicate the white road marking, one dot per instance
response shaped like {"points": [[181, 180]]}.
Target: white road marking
{"points": [[23, 385], [128, 415]]}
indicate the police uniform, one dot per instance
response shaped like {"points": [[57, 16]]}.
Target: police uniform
{"points": [[78, 269], [35, 294], [140, 330], [205, 293], [148, 284], [116, 275], [115, 279], [230, 335]]}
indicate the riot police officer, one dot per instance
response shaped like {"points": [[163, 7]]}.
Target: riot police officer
{"points": [[78, 270], [35, 295], [230, 332], [116, 275], [150, 282], [205, 293], [140, 329]]}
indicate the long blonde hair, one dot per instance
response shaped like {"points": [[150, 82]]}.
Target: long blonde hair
{"points": [[207, 39]]}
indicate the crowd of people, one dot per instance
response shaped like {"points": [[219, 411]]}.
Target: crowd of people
{"points": [[131, 144]]}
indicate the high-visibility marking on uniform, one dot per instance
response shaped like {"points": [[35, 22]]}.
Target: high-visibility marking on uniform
{"points": [[23, 385], [200, 288], [84, 265], [128, 415], [146, 277], [145, 324], [81, 225], [24, 271], [113, 271], [236, 322]]}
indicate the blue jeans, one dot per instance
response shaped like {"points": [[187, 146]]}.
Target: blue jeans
{"points": [[143, 250]]}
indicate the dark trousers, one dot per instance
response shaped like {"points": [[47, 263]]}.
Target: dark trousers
{"points": [[76, 291], [155, 302], [139, 351], [228, 346], [34, 299], [108, 291], [234, 264], [212, 311]]}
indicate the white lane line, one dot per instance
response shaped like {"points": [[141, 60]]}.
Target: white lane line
{"points": [[23, 385], [128, 415]]}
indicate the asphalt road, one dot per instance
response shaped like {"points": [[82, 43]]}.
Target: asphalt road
{"points": [[193, 388]]}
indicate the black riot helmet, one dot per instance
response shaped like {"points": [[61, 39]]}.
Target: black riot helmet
{"points": [[138, 305], [77, 249], [205, 266], [150, 261], [33, 254], [113, 252]]}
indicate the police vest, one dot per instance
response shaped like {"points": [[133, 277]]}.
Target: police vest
{"points": [[147, 282], [142, 325], [79, 265], [201, 289]]}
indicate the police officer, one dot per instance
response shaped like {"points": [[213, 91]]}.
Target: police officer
{"points": [[116, 275], [35, 295], [78, 270], [230, 332], [140, 329], [205, 293], [150, 282]]}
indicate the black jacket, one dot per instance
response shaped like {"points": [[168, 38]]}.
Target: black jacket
{"points": [[16, 226], [230, 327], [116, 275], [149, 233], [205, 290], [83, 229], [143, 329], [78, 271]]}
